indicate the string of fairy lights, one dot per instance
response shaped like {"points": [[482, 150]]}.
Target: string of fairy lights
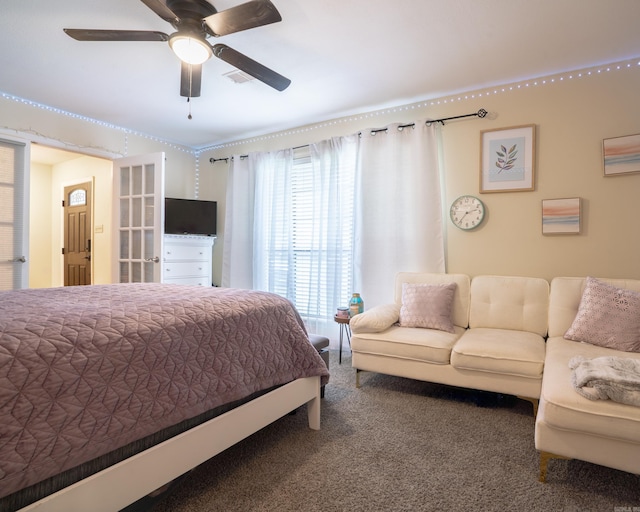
{"points": [[452, 99], [196, 152]]}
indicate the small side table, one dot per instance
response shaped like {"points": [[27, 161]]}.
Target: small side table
{"points": [[344, 329]]}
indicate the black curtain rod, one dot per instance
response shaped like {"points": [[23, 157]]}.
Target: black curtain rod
{"points": [[480, 113]]}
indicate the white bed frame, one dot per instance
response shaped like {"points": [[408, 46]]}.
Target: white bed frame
{"points": [[126, 482]]}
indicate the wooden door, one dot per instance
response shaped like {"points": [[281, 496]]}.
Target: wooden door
{"points": [[77, 234]]}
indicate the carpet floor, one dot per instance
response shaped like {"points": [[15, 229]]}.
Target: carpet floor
{"points": [[397, 444]]}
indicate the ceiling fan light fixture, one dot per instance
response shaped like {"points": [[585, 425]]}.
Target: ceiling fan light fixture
{"points": [[190, 48]]}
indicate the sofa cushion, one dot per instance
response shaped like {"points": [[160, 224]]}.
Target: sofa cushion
{"points": [[607, 316], [427, 306], [502, 351], [566, 409], [510, 302], [428, 345]]}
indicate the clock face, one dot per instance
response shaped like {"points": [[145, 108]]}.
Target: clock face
{"points": [[467, 212]]}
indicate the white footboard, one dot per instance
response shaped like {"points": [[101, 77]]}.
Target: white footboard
{"points": [[120, 485]]}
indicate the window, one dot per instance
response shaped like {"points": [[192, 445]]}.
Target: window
{"points": [[308, 225]]}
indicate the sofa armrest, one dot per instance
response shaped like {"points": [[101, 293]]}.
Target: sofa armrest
{"points": [[376, 319]]}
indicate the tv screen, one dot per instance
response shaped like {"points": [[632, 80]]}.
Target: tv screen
{"points": [[190, 217]]}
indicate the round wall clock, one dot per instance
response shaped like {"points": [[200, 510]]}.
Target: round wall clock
{"points": [[467, 212]]}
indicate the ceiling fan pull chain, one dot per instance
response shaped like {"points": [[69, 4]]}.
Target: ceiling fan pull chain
{"points": [[189, 102]]}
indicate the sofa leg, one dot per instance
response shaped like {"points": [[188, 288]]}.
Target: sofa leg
{"points": [[534, 401], [545, 457], [358, 378]]}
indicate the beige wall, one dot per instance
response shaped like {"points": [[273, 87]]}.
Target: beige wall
{"points": [[572, 116], [40, 229]]}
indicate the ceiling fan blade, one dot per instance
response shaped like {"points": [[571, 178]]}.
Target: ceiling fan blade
{"points": [[250, 66], [255, 13], [81, 34], [190, 79], [162, 10]]}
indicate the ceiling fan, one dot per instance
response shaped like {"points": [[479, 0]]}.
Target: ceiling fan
{"points": [[195, 21]]}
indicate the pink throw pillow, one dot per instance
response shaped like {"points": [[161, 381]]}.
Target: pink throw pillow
{"points": [[427, 305], [607, 316]]}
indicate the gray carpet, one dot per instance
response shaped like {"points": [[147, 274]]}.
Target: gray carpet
{"points": [[399, 445]]}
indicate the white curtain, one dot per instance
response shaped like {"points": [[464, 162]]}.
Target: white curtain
{"points": [[273, 223], [330, 235], [237, 254], [289, 227], [342, 216], [399, 212]]}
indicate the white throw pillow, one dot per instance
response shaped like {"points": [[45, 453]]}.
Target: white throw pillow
{"points": [[427, 305], [607, 316]]}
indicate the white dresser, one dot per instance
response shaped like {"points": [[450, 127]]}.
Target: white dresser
{"points": [[187, 259]]}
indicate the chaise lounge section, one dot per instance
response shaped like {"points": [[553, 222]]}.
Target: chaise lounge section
{"points": [[569, 425]]}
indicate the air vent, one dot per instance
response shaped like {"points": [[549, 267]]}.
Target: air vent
{"points": [[238, 77]]}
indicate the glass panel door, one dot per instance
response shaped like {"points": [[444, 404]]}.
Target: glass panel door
{"points": [[138, 205], [14, 215]]}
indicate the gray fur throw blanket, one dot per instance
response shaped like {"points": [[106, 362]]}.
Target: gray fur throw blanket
{"points": [[602, 378]]}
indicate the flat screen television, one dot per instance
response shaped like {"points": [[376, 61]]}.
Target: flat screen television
{"points": [[190, 217]]}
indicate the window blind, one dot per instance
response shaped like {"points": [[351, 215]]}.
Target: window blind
{"points": [[12, 217], [311, 262]]}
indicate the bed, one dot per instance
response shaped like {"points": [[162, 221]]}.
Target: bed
{"points": [[108, 392]]}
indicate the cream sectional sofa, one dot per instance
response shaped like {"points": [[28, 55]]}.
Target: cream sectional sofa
{"points": [[508, 337], [569, 425], [497, 343]]}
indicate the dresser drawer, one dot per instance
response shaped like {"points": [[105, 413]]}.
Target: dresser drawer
{"points": [[198, 281], [186, 268], [186, 252]]}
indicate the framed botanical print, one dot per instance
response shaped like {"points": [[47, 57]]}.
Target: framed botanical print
{"points": [[507, 159]]}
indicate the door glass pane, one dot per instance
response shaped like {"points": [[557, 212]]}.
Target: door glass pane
{"points": [[6, 204], [124, 245], [124, 272], [124, 181], [136, 212], [136, 245], [7, 251], [124, 213], [148, 211], [78, 197], [148, 243], [149, 173], [136, 272], [136, 185], [148, 272]]}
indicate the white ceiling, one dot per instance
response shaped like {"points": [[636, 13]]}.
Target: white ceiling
{"points": [[343, 57]]}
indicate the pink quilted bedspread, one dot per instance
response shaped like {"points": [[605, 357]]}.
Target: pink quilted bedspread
{"points": [[85, 370]]}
